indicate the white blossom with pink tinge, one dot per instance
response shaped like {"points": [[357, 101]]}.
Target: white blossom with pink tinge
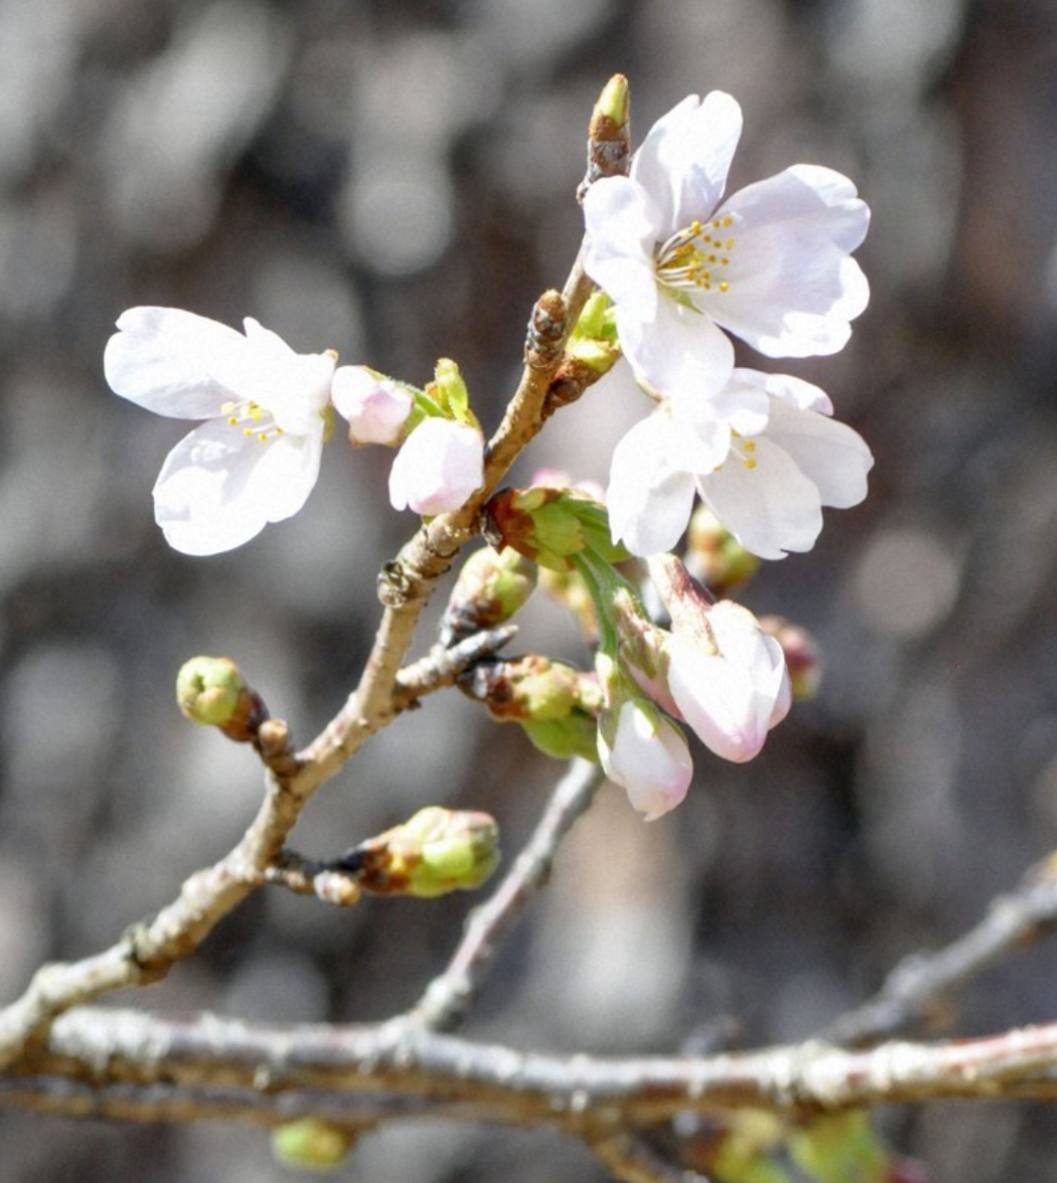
{"points": [[437, 468], [647, 755], [733, 694], [375, 407]]}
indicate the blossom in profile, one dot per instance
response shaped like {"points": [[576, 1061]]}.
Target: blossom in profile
{"points": [[731, 688], [646, 754], [437, 468], [256, 457], [771, 264], [764, 455]]}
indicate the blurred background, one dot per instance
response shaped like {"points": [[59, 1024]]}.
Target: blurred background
{"points": [[395, 180]]}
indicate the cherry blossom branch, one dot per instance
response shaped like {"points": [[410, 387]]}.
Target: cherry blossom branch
{"points": [[1012, 921], [448, 995], [146, 952], [384, 1071]]}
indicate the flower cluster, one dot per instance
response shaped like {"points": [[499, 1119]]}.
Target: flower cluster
{"points": [[715, 670], [267, 413], [770, 264], [678, 268]]}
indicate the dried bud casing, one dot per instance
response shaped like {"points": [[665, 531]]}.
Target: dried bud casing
{"points": [[437, 851], [212, 691], [491, 587], [716, 557], [312, 1144]]}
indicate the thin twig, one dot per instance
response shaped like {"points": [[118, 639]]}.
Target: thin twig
{"points": [[447, 996], [912, 989], [306, 876], [441, 667]]}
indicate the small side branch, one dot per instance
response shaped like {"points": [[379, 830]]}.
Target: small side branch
{"points": [[914, 986], [448, 995]]}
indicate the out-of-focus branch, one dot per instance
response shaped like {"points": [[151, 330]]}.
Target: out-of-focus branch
{"points": [[448, 995], [383, 1071], [914, 986]]}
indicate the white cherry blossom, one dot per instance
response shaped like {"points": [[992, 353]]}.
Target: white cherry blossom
{"points": [[764, 455], [256, 458], [437, 468], [771, 264], [733, 691]]}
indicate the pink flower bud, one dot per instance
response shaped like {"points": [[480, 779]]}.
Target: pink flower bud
{"points": [[439, 465], [646, 754], [376, 407], [734, 693]]}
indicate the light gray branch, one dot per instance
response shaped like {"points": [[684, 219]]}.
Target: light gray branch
{"points": [[914, 986]]}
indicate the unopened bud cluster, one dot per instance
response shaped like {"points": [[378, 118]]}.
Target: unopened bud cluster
{"points": [[435, 852], [492, 586]]}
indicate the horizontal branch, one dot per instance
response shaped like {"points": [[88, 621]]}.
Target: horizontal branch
{"points": [[913, 987], [591, 1095]]}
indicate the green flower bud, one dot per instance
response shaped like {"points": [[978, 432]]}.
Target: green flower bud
{"points": [[550, 525], [715, 556], [609, 136], [523, 688], [213, 692], [312, 1144], [491, 587], [569, 590], [614, 103], [435, 852], [574, 735], [449, 392]]}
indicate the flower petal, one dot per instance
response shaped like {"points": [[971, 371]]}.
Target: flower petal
{"points": [[679, 354], [649, 758], [649, 501], [293, 387], [167, 360], [833, 456], [794, 391], [623, 224], [686, 155], [217, 489], [437, 468], [376, 407], [717, 701], [792, 289], [771, 508]]}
